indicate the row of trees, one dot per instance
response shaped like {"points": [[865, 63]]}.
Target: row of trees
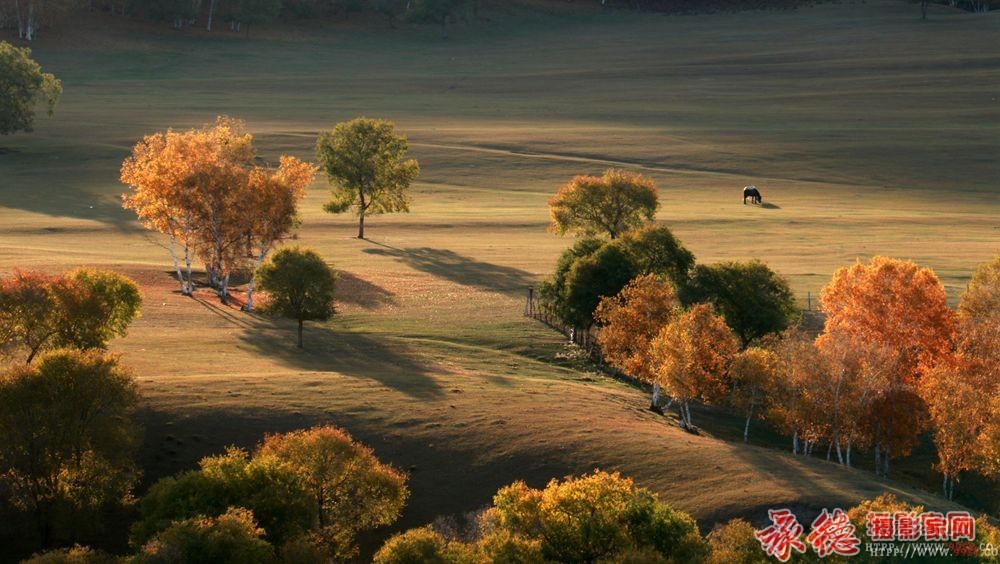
{"points": [[891, 362]]}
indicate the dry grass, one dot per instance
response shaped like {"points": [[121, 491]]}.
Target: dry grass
{"points": [[867, 130]]}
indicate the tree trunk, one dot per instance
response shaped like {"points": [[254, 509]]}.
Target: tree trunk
{"points": [[253, 276], [211, 13], [654, 402], [300, 333], [829, 450], [885, 463], [177, 264], [795, 443], [361, 225], [848, 453], [746, 428]]}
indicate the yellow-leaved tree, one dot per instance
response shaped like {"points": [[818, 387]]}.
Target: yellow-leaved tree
{"points": [[691, 356]]}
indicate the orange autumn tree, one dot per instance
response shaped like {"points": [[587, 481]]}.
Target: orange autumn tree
{"points": [[203, 189], [690, 357], [629, 321], [796, 392], [752, 373], [894, 305], [963, 391]]}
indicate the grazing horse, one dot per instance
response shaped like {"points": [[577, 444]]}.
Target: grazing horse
{"points": [[751, 192]]}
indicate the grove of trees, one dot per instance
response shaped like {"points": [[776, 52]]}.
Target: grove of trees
{"points": [[204, 190]]}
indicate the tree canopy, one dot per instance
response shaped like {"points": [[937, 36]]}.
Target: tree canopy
{"points": [[611, 204], [69, 437], [754, 300], [81, 309], [23, 86], [364, 161], [300, 286]]}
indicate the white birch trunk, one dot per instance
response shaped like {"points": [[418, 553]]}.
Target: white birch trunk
{"points": [[177, 264], [253, 276], [655, 401]]}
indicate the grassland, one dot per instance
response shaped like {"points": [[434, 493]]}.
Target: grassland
{"points": [[867, 130]]}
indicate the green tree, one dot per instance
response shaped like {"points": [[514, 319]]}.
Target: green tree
{"points": [[69, 438], [274, 493], [754, 300], [613, 204], [230, 538], [552, 291], [299, 285], [351, 489], [655, 250], [101, 308], [363, 160], [603, 273], [23, 86]]}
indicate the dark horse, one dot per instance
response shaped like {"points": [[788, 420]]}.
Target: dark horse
{"points": [[751, 192]]}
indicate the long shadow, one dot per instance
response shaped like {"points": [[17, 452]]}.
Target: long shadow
{"points": [[384, 360], [460, 269], [770, 206], [354, 290]]}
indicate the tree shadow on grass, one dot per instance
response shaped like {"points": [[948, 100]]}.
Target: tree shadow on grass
{"points": [[384, 360], [459, 269], [354, 290]]}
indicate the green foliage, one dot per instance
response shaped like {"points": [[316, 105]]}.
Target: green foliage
{"points": [[593, 277], [754, 300], [299, 285], [99, 306], [596, 516], [69, 438], [23, 86], [363, 160], [275, 494], [552, 292], [231, 538], [655, 250], [74, 555]]}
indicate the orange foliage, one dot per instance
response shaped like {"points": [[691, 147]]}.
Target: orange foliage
{"points": [[691, 356], [630, 320]]}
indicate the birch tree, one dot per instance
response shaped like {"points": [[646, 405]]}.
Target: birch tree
{"points": [[752, 374], [272, 208], [691, 356], [203, 190], [629, 321], [901, 307], [365, 162]]}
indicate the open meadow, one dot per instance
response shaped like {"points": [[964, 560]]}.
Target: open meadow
{"points": [[867, 130]]}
